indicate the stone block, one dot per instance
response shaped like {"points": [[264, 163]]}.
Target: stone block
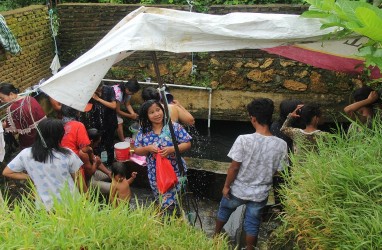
{"points": [[295, 85]]}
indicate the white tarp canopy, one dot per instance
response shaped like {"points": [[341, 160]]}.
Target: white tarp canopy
{"points": [[156, 29]]}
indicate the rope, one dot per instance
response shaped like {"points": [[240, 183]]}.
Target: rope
{"points": [[24, 102], [38, 130], [54, 32]]}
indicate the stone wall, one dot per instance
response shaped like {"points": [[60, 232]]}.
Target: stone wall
{"points": [[235, 76], [31, 28]]}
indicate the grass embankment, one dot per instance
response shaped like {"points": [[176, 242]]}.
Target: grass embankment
{"points": [[88, 224], [333, 199]]}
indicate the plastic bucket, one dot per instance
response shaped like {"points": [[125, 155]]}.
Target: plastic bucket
{"points": [[122, 151]]}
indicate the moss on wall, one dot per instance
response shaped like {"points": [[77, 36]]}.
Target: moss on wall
{"points": [[30, 26]]}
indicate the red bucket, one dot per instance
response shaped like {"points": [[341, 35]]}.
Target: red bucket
{"points": [[122, 151]]}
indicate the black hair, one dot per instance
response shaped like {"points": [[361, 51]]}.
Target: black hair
{"points": [[8, 88], [52, 131], [94, 134], [308, 111], [362, 93], [286, 107], [117, 168], [132, 85], [69, 111], [262, 109], [143, 115], [150, 93]]}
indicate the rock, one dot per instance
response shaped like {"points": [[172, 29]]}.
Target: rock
{"points": [[238, 65], [268, 62], [301, 74], [185, 71], [295, 85], [316, 85], [231, 79], [214, 61], [162, 70], [285, 63], [259, 76], [252, 64], [214, 84], [254, 75]]}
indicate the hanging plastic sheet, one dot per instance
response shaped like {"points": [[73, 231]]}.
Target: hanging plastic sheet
{"points": [[156, 29]]}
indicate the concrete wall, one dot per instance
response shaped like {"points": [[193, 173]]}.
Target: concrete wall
{"points": [[31, 28]]}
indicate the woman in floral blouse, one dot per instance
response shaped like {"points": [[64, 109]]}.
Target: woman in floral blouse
{"points": [[154, 138]]}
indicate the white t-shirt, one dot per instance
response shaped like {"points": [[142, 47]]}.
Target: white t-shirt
{"points": [[49, 177], [260, 157]]}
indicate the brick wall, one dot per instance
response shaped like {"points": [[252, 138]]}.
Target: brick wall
{"points": [[31, 28], [83, 25]]}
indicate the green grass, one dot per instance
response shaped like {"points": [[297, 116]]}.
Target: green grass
{"points": [[333, 199], [81, 223]]}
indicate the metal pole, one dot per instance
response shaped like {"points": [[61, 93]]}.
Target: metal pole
{"points": [[172, 132], [178, 86]]}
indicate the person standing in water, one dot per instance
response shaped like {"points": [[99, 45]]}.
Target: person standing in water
{"points": [[304, 139], [177, 112], [154, 138], [123, 94], [103, 117], [120, 187], [255, 159]]}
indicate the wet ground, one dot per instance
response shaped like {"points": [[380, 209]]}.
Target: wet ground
{"points": [[207, 211]]}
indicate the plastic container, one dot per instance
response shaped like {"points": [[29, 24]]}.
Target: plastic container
{"points": [[104, 156], [134, 129], [122, 151]]}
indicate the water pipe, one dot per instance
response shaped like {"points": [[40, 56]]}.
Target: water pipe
{"points": [[177, 86]]}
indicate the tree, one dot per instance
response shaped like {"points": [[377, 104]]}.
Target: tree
{"points": [[352, 17]]}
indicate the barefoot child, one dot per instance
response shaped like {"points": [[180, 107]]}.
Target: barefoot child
{"points": [[120, 186]]}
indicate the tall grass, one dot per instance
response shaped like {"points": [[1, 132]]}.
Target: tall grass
{"points": [[83, 223], [333, 199]]}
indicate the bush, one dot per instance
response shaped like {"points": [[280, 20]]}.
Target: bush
{"points": [[333, 200], [88, 224], [14, 4]]}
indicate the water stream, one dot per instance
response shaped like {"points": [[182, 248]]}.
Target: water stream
{"points": [[208, 162]]}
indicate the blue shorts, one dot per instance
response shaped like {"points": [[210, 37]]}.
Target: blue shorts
{"points": [[253, 212]]}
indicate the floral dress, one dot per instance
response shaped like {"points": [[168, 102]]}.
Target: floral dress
{"points": [[163, 140]]}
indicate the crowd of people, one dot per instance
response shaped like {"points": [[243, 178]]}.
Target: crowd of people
{"points": [[77, 150]]}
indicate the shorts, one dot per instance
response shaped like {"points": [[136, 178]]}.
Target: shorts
{"points": [[119, 119], [252, 218]]}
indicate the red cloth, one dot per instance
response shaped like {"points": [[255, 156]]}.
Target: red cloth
{"points": [[23, 117], [76, 136]]}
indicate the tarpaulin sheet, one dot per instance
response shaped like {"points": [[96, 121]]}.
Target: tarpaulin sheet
{"points": [[157, 29]]}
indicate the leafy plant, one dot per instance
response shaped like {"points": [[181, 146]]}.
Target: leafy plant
{"points": [[14, 4], [85, 223], [352, 17], [333, 198]]}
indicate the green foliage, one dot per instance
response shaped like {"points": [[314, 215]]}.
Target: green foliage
{"points": [[14, 4], [81, 223], [203, 5], [352, 17], [333, 199]]}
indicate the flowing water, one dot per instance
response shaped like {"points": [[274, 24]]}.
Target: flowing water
{"points": [[208, 162]]}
